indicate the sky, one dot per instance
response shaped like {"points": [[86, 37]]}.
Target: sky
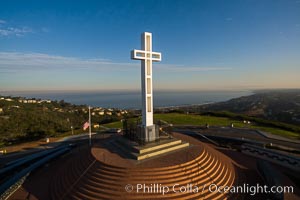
{"points": [[205, 45]]}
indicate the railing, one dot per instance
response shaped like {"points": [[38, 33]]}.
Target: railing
{"points": [[15, 181], [290, 161], [22, 161]]}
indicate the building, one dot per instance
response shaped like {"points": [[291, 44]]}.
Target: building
{"points": [[96, 126]]}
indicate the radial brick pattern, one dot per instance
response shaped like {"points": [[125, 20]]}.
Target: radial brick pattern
{"points": [[91, 176]]}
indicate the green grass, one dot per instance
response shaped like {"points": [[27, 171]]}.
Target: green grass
{"points": [[277, 131], [201, 120], [117, 124], [183, 119]]}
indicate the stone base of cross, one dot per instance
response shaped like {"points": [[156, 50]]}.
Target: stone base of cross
{"points": [[149, 132]]}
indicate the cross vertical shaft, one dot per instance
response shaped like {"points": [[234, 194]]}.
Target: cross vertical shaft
{"points": [[146, 79]]}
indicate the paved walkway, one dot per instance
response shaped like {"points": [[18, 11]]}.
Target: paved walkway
{"points": [[243, 134], [15, 152]]}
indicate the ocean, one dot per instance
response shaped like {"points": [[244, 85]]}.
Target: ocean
{"points": [[132, 99]]}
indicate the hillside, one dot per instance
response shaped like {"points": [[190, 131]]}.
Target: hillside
{"points": [[277, 105], [29, 119]]}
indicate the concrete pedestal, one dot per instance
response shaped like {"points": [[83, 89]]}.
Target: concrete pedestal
{"points": [[148, 133]]}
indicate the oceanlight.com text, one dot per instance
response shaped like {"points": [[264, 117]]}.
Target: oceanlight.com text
{"points": [[157, 188]]}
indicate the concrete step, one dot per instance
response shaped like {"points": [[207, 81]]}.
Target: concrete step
{"points": [[132, 150], [161, 151], [155, 147], [116, 169], [157, 172], [183, 178]]}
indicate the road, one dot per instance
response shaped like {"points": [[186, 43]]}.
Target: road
{"points": [[241, 135]]}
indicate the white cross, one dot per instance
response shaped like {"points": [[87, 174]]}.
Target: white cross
{"points": [[147, 57]]}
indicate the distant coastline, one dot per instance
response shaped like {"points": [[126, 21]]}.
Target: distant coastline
{"points": [[132, 99]]}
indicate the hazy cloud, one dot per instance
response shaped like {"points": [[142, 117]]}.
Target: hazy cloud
{"points": [[14, 31], [6, 30], [183, 68], [14, 62]]}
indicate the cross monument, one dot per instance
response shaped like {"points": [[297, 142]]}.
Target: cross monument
{"points": [[149, 132]]}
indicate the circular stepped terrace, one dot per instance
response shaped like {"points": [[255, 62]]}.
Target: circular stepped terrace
{"points": [[91, 176]]}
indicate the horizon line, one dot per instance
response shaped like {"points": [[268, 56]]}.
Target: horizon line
{"points": [[138, 90]]}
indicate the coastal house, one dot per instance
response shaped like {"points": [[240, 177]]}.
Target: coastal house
{"points": [[84, 110], [98, 109], [22, 100], [101, 113], [31, 101], [96, 126], [44, 101]]}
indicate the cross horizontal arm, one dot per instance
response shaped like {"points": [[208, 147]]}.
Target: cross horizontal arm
{"points": [[145, 55], [156, 56]]}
